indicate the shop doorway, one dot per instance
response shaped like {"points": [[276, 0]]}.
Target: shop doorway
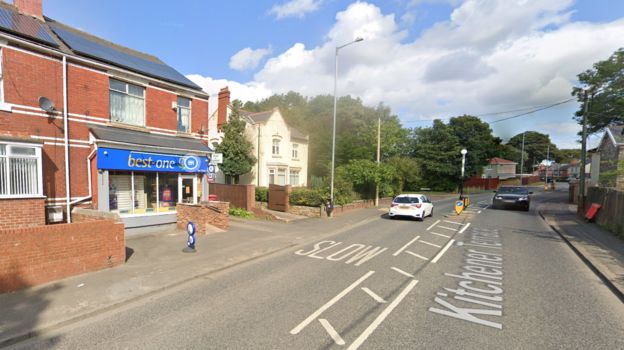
{"points": [[187, 189]]}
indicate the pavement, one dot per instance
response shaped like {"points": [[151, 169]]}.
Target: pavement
{"points": [[600, 249], [155, 263]]}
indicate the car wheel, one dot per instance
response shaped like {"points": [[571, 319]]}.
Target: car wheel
{"points": [[527, 208]]}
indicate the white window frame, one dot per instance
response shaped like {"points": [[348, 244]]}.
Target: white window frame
{"points": [[127, 93], [297, 174], [179, 109], [272, 172], [5, 158], [275, 147], [295, 151]]}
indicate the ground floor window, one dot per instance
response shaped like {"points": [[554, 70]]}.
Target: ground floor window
{"points": [[271, 176], [20, 170], [281, 176], [149, 192], [294, 177]]}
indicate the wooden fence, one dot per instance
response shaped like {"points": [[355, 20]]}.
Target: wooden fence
{"points": [[239, 196]]}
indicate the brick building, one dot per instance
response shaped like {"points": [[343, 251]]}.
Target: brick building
{"points": [[86, 122]]}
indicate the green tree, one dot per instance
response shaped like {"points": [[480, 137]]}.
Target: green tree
{"points": [[605, 83], [536, 147], [564, 156], [238, 158], [437, 149], [365, 174], [476, 137], [408, 173]]}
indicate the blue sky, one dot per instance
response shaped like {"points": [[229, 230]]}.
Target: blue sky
{"points": [[423, 58]]}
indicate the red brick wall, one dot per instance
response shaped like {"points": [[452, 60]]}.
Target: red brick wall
{"points": [[159, 111], [37, 255], [16, 213], [215, 213], [27, 77], [199, 115], [88, 92]]}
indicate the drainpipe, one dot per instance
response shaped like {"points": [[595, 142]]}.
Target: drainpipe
{"points": [[66, 135], [90, 196]]}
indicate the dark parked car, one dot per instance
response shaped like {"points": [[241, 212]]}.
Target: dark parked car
{"points": [[512, 197]]}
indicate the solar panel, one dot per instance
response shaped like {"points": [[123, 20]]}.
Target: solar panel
{"points": [[25, 26], [91, 48]]}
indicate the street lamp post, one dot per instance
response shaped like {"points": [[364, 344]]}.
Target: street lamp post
{"points": [[461, 184], [333, 162]]}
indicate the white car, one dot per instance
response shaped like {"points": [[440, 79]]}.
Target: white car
{"points": [[417, 206]]}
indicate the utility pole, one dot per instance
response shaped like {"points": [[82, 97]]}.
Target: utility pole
{"points": [[547, 163], [581, 199], [378, 155], [522, 156]]}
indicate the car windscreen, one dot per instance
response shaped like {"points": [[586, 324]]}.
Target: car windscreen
{"points": [[512, 190], [406, 200]]}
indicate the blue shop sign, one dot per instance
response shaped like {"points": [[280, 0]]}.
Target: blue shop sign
{"points": [[121, 159]]}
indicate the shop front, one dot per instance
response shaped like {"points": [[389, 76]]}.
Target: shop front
{"points": [[145, 183]]}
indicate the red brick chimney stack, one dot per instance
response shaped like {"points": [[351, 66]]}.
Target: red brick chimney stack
{"points": [[30, 7], [224, 102]]}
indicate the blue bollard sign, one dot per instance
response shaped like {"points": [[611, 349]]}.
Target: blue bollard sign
{"points": [[190, 229]]}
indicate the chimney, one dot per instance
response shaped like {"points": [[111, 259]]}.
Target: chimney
{"points": [[224, 102], [30, 7]]}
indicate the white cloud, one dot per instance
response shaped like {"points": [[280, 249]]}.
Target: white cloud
{"points": [[295, 8], [248, 58], [251, 91], [490, 55]]}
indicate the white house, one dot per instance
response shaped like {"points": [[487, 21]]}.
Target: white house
{"points": [[281, 151]]}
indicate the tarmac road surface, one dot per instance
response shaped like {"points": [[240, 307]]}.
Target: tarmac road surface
{"points": [[487, 279]]}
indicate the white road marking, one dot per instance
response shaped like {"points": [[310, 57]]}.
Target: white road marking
{"points": [[464, 228], [431, 244], [453, 222], [435, 223], [335, 299], [448, 228], [446, 247], [479, 212], [439, 234], [402, 272], [487, 206], [405, 246], [371, 328], [416, 255], [373, 295], [332, 332]]}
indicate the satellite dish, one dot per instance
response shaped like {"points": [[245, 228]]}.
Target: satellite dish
{"points": [[46, 104]]}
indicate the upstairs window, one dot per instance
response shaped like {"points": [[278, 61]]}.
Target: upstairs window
{"points": [[275, 150], [295, 151], [127, 103], [184, 114], [20, 171]]}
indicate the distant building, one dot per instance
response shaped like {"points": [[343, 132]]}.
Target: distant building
{"points": [[499, 168], [281, 151], [610, 153]]}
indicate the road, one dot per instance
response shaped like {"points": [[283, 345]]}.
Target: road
{"points": [[488, 279]]}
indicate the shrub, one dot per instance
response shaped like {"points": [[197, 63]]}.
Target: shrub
{"points": [[262, 194], [241, 213], [306, 196]]}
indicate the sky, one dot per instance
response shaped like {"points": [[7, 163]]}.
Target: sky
{"points": [[425, 59]]}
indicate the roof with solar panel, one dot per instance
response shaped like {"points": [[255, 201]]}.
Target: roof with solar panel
{"points": [[60, 36]]}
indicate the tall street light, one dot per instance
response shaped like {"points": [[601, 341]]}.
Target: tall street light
{"points": [[461, 185], [331, 191]]}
